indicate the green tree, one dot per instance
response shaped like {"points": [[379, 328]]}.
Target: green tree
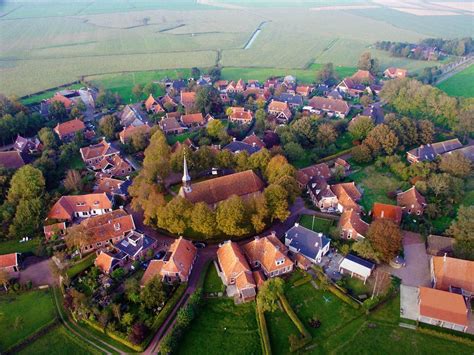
{"points": [[326, 134], [215, 128], [48, 138], [137, 91], [175, 216], [203, 220], [386, 238], [231, 217], [364, 249], [28, 218], [156, 165], [381, 138], [361, 127], [362, 153], [259, 214], [327, 75], [27, 184], [109, 125], [462, 229], [426, 131], [269, 294], [149, 89], [208, 100], [153, 294], [276, 198], [305, 130], [57, 111], [195, 72], [260, 120]]}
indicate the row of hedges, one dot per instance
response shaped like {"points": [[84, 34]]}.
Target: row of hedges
{"points": [[336, 291], [114, 335], [23, 343], [296, 342], [263, 330], [334, 156], [303, 280], [445, 333], [81, 265]]}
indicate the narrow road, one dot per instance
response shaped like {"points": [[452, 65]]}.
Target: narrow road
{"points": [[453, 71]]}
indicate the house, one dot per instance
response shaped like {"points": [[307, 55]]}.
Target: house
{"points": [[374, 89], [352, 226], [241, 115], [80, 206], [269, 254], [168, 102], [467, 151], [188, 143], [188, 100], [111, 186], [135, 245], [311, 245], [322, 195], [193, 120], [394, 73], [304, 90], [175, 266], [351, 87], [430, 151], [108, 262], [54, 230], [11, 160], [343, 164], [154, 106], [170, 125], [115, 166], [127, 133], [233, 87], [438, 245], [235, 272], [375, 112], [245, 184], [240, 146], [132, 115], [303, 176], [106, 230], [453, 275], [294, 101], [66, 131], [93, 155], [347, 196], [443, 309], [332, 107], [253, 140], [356, 267], [27, 145], [71, 98], [221, 85], [10, 263], [335, 94], [363, 76], [280, 111], [384, 211], [176, 85], [411, 201]]}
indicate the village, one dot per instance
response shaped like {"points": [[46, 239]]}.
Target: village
{"points": [[283, 196]]}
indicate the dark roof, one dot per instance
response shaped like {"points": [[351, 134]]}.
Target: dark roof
{"points": [[306, 241], [360, 261], [11, 160], [238, 146], [431, 151], [290, 99], [134, 243]]}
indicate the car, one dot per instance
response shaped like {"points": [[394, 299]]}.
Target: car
{"points": [[199, 245], [160, 255], [145, 264]]}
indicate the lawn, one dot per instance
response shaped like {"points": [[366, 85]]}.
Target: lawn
{"points": [[80, 266], [212, 282], [460, 84], [316, 224], [222, 328], [375, 184], [23, 315], [59, 341], [35, 99], [280, 327], [14, 246], [356, 287]]}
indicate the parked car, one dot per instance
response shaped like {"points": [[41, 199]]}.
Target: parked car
{"points": [[160, 255], [199, 245]]}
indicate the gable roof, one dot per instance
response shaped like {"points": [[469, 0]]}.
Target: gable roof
{"points": [[442, 305], [131, 115], [267, 251], [385, 211], [129, 131], [431, 151], [347, 195], [103, 148], [241, 114], [410, 198], [188, 98], [8, 260], [221, 188], [183, 253], [290, 99], [363, 76], [329, 104], [351, 219], [193, 118], [439, 245], [453, 272], [69, 127], [153, 270], [105, 261], [171, 124], [109, 225], [279, 106], [240, 146], [66, 206], [254, 140], [232, 261], [11, 160], [358, 265], [305, 241], [314, 171]]}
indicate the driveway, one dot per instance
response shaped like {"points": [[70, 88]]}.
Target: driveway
{"points": [[37, 271], [409, 307], [417, 269]]}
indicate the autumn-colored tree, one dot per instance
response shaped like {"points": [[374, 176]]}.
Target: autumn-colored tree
{"points": [[203, 220], [276, 198], [365, 100], [260, 213], [361, 127], [175, 216], [364, 249], [156, 165], [137, 91], [232, 217], [147, 197], [465, 124], [366, 62], [362, 153], [4, 279], [78, 236], [327, 75], [215, 128], [73, 181], [269, 294], [260, 160], [456, 164], [242, 160], [381, 138], [386, 238], [108, 126], [27, 183], [305, 130], [326, 134]]}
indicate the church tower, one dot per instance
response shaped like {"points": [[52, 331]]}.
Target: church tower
{"points": [[186, 178]]}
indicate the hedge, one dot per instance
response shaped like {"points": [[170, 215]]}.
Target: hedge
{"points": [[15, 348], [114, 335], [262, 327], [80, 266], [336, 291], [302, 281], [294, 317], [334, 156], [462, 338]]}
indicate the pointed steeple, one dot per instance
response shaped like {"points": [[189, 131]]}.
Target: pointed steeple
{"points": [[186, 178]]}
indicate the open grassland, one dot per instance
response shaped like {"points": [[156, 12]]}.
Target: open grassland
{"points": [[222, 328], [23, 315], [460, 84], [58, 341]]}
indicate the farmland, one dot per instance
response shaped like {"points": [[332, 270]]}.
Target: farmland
{"points": [[460, 84], [53, 43]]}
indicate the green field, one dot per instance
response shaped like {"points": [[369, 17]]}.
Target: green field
{"points": [[316, 224], [23, 315], [212, 282], [57, 342], [460, 84], [222, 328], [14, 246]]}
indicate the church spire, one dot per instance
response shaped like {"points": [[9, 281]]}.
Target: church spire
{"points": [[186, 178]]}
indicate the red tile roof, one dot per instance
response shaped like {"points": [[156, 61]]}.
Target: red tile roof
{"points": [[363, 76], [129, 131], [66, 206], [267, 251], [109, 225], [11, 160], [328, 104], [193, 118], [442, 305], [52, 229], [382, 210], [232, 260], [183, 253], [8, 260], [347, 195], [453, 272], [410, 198], [318, 170], [104, 262], [153, 270], [253, 139], [350, 219], [69, 127]]}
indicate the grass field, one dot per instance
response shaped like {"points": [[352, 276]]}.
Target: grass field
{"points": [[222, 328], [212, 282], [14, 246], [58, 341], [316, 224], [82, 265], [460, 84], [23, 315], [34, 99]]}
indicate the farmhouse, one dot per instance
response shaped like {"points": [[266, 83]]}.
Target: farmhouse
{"points": [[311, 245], [253, 140], [303, 176], [347, 196], [356, 267], [444, 309], [411, 201], [56, 229], [107, 261], [322, 195], [280, 111], [70, 207], [363, 76], [132, 115], [10, 263], [153, 105], [94, 154], [237, 147], [394, 73], [438, 245], [430, 151], [352, 226], [332, 107], [235, 272], [128, 132], [105, 184], [193, 120], [27, 145], [384, 211], [351, 87], [187, 143], [11, 160], [294, 101], [170, 125], [188, 100], [67, 130], [241, 115], [304, 90], [453, 275]]}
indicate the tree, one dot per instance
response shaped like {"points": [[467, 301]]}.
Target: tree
{"points": [[386, 238], [203, 219], [28, 218], [455, 164], [153, 294], [294, 151], [139, 140], [366, 62], [365, 100], [208, 100], [108, 126], [260, 120], [195, 72], [465, 124], [462, 229], [276, 198], [149, 89], [361, 127], [215, 73], [57, 111], [381, 138], [156, 165], [326, 134], [305, 130], [362, 153], [78, 236], [231, 217], [364, 249], [73, 181], [269, 294], [215, 128], [327, 75], [426, 131], [137, 91], [175, 216], [405, 129], [259, 214], [138, 333], [26, 184], [48, 138]]}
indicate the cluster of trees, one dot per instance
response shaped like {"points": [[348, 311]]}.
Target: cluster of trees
{"points": [[462, 46], [327, 75], [366, 62], [459, 47], [412, 98], [462, 229], [233, 217]]}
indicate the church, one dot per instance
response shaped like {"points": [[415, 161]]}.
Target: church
{"points": [[244, 184]]}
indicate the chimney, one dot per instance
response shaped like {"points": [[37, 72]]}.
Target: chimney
{"points": [[254, 144], [233, 139], [444, 257], [381, 216], [297, 224]]}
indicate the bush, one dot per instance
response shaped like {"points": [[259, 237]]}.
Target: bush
{"points": [[334, 156], [297, 342]]}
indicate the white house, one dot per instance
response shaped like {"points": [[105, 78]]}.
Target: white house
{"points": [[355, 266]]}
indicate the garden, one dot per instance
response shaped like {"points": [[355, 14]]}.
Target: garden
{"points": [[317, 224]]}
